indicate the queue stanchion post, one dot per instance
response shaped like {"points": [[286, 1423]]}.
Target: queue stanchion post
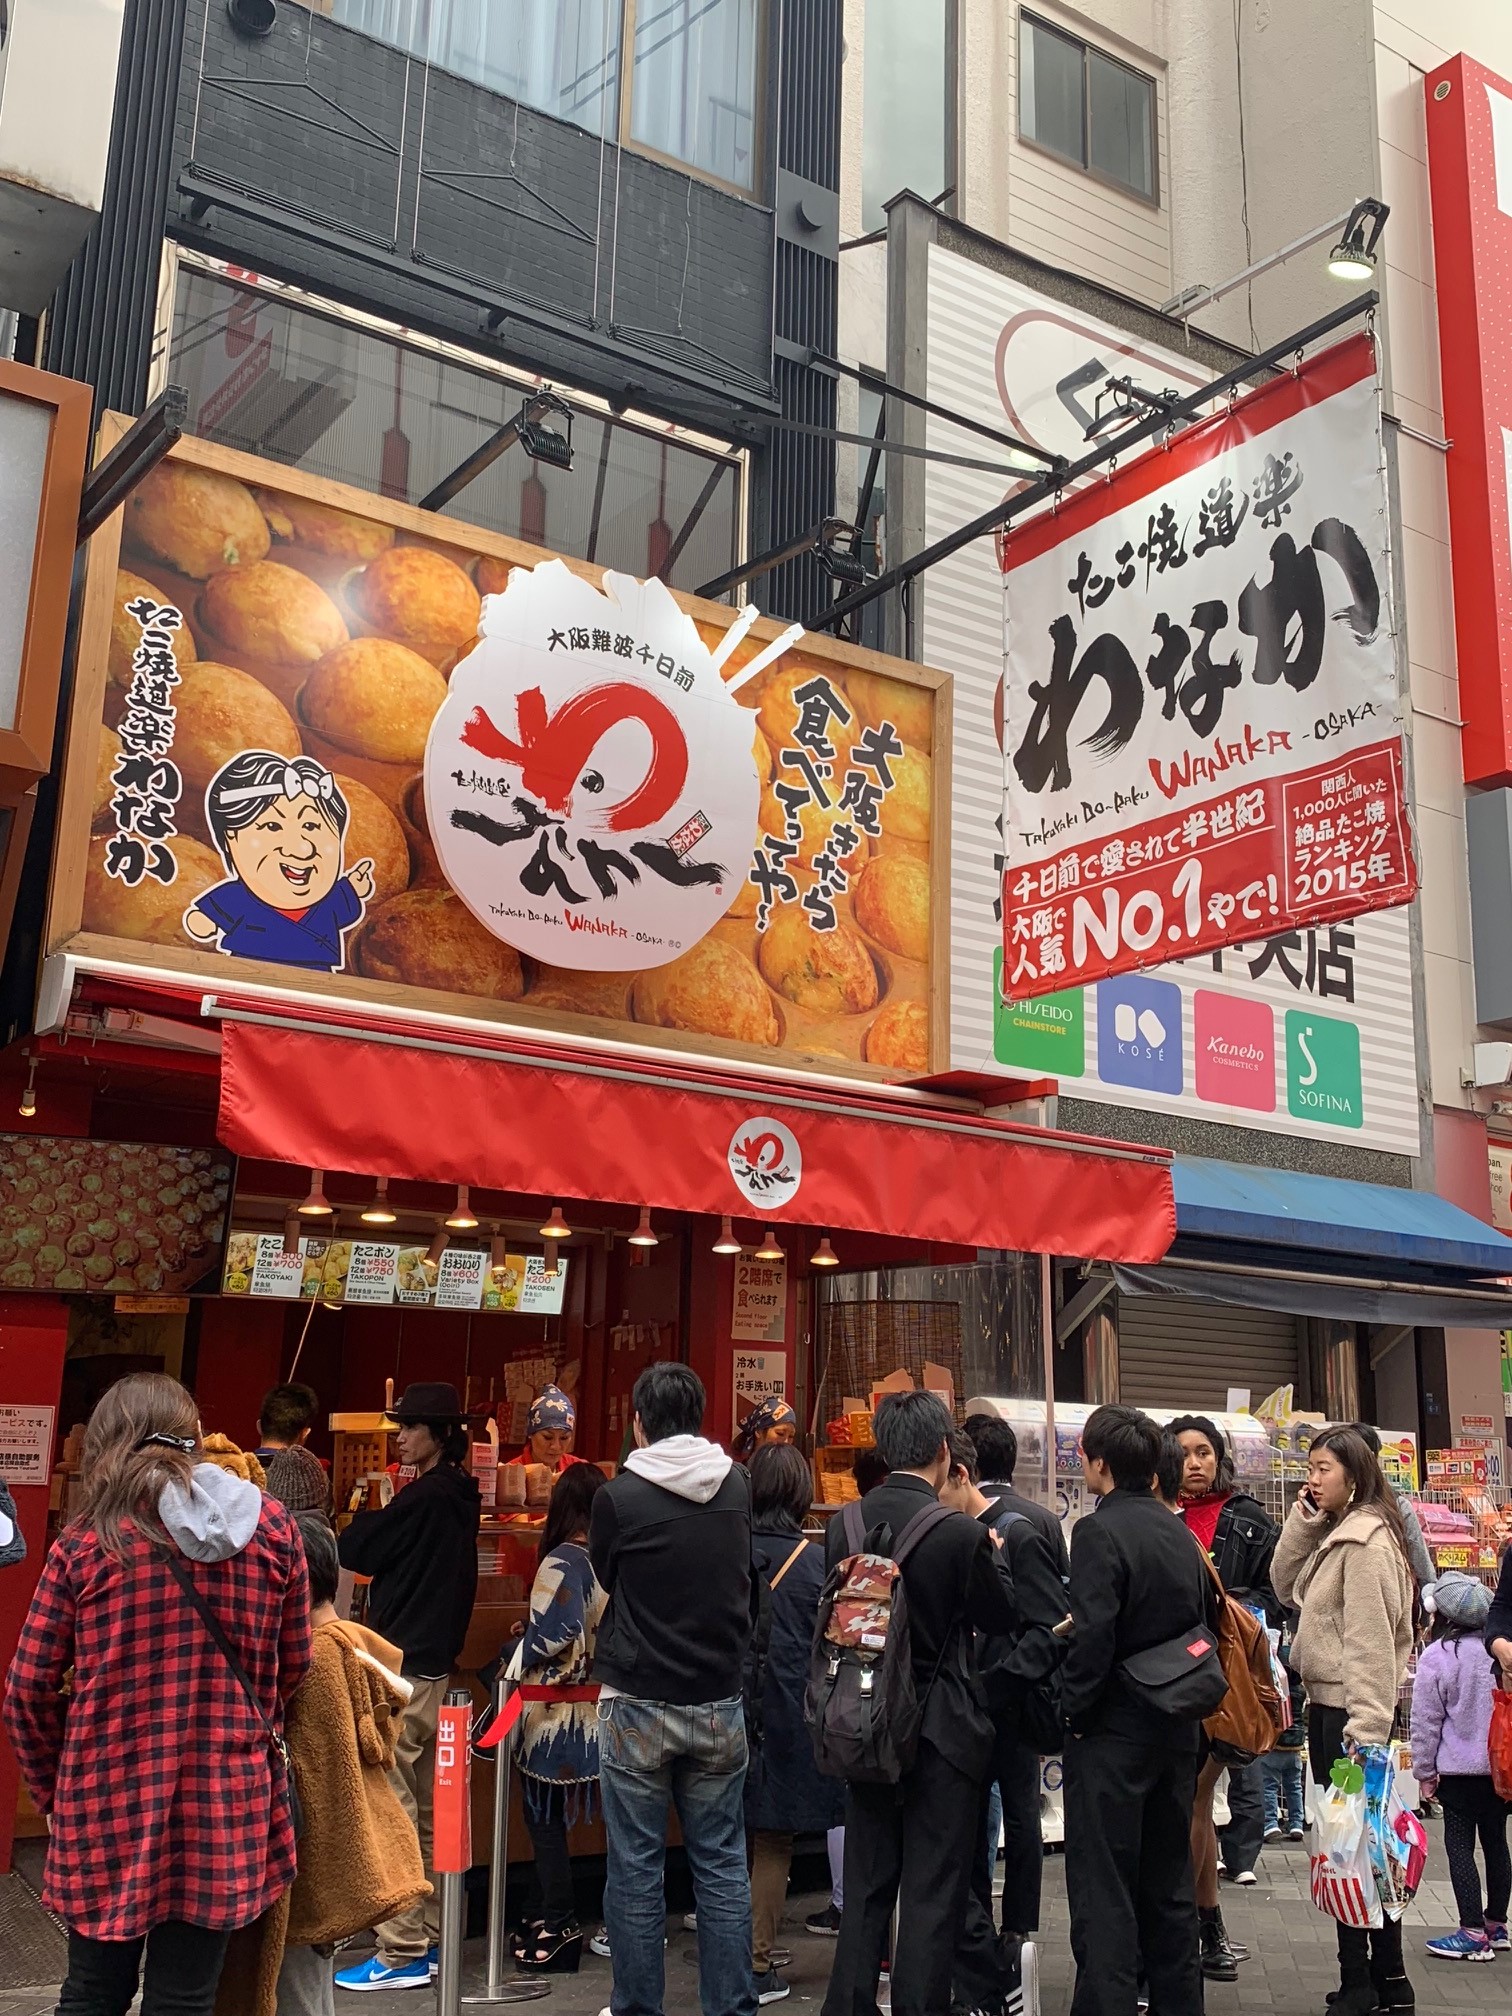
{"points": [[452, 1850], [498, 1737]]}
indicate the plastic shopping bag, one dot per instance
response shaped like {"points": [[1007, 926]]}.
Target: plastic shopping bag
{"points": [[1501, 1742], [1397, 1839], [1343, 1882]]}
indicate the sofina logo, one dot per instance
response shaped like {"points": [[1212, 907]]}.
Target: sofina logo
{"points": [[766, 1162], [1047, 1034], [1234, 1051], [1139, 1033], [1323, 1069]]}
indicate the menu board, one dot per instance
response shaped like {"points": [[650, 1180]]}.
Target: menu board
{"points": [[382, 1272]]}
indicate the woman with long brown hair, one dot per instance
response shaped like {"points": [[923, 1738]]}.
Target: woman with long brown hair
{"points": [[145, 1706], [1341, 1562]]}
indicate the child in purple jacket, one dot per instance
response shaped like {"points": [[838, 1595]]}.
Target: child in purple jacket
{"points": [[1451, 1726]]}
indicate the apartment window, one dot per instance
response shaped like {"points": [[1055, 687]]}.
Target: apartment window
{"points": [[1084, 105], [694, 72]]}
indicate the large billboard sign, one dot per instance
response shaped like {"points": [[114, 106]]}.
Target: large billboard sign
{"points": [[328, 741], [1201, 727], [1304, 1030]]}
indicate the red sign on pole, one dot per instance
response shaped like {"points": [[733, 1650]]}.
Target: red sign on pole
{"points": [[1202, 733], [1469, 111], [453, 1803]]}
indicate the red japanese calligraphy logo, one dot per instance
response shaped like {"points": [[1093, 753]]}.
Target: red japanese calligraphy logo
{"points": [[589, 781], [766, 1162]]}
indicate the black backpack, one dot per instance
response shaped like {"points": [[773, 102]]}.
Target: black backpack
{"points": [[862, 1707]]}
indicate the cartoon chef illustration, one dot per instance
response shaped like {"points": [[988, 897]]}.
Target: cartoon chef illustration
{"points": [[279, 822]]}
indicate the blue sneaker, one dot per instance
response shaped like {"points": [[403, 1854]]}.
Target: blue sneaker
{"points": [[1461, 1945], [1496, 1932], [374, 1974], [433, 1961]]}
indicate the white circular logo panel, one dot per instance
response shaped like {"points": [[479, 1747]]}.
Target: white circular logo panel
{"points": [[766, 1162]]}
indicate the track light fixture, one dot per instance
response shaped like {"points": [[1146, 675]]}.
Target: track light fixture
{"points": [[769, 1249], [824, 1255], [380, 1211], [461, 1217], [316, 1205], [1354, 257], [556, 1226], [643, 1234], [726, 1242]]}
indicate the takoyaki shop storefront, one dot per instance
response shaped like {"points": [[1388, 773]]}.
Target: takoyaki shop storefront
{"points": [[564, 963]]}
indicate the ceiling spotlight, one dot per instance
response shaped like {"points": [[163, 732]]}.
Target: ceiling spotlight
{"points": [[540, 442], [556, 1226], [461, 1218], [437, 1247], [380, 1211], [498, 1258], [726, 1242], [1354, 257], [291, 1231], [28, 1106], [824, 1255], [769, 1249], [643, 1235], [316, 1204]]}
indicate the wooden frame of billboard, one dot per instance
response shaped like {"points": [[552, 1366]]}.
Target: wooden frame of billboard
{"points": [[65, 909]]}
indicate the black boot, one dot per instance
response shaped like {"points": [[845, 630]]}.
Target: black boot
{"points": [[1217, 1958], [1240, 1953]]}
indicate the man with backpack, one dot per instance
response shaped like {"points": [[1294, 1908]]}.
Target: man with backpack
{"points": [[1142, 1672], [1021, 1673], [896, 1706]]}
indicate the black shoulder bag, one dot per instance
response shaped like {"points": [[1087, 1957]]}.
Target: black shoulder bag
{"points": [[280, 1749]]}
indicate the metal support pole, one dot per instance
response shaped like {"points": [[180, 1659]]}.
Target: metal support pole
{"points": [[1047, 1335], [516, 1988]]}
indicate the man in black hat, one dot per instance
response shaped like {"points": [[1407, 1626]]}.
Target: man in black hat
{"points": [[422, 1554]]}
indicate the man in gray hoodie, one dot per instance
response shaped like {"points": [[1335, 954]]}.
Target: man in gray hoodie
{"points": [[670, 1542]]}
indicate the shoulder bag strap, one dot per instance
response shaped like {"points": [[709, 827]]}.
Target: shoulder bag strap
{"points": [[802, 1544], [175, 1566], [853, 1529], [921, 1523]]}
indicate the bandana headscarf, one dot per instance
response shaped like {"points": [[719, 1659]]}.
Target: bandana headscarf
{"points": [[551, 1409], [772, 1412]]}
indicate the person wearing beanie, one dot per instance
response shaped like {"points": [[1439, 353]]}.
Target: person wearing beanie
{"points": [[297, 1479], [1239, 1537], [1451, 1728]]}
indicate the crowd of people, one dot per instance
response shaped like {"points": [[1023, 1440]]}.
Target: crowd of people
{"points": [[237, 1779]]}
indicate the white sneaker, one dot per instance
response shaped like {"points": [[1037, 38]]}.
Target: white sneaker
{"points": [[690, 1921], [1246, 1876], [1025, 1999], [599, 1942]]}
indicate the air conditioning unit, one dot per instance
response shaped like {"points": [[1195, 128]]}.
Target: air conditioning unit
{"points": [[57, 99]]}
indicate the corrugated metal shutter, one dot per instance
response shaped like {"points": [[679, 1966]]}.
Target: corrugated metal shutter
{"points": [[1185, 1353]]}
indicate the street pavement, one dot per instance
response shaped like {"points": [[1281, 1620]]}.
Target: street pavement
{"points": [[1291, 1970]]}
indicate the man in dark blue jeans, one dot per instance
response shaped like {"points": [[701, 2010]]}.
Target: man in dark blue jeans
{"points": [[670, 1541]]}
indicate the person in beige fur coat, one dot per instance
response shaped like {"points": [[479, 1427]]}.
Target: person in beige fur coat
{"points": [[359, 1855], [1341, 1562]]}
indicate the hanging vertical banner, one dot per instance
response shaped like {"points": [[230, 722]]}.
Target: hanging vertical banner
{"points": [[1202, 735]]}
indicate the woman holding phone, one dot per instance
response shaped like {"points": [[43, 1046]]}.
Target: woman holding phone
{"points": [[1341, 1562]]}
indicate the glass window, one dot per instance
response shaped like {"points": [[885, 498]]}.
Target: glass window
{"points": [[693, 94], [903, 116], [1050, 90], [285, 381], [1086, 107], [1120, 123]]}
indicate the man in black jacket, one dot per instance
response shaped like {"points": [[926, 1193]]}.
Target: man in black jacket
{"points": [[422, 1554], [911, 1844], [1130, 1772], [670, 1541], [1015, 1764]]}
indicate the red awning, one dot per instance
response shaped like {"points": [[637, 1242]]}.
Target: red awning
{"points": [[688, 1139]]}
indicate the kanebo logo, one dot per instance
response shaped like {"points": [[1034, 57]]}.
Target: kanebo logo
{"points": [[1235, 1053]]}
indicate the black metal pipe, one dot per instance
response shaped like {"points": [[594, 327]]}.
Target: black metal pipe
{"points": [[1046, 486]]}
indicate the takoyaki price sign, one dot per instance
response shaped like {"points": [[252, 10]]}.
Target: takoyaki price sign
{"points": [[590, 784]]}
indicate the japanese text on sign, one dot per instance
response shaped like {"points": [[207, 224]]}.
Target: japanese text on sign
{"points": [[1202, 736], [145, 787], [759, 1310]]}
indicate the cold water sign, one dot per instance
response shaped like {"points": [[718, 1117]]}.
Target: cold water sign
{"points": [[1202, 739], [589, 779]]}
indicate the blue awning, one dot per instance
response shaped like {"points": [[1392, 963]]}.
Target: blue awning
{"points": [[1326, 1219]]}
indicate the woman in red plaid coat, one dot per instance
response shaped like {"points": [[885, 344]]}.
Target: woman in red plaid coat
{"points": [[161, 1784]]}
